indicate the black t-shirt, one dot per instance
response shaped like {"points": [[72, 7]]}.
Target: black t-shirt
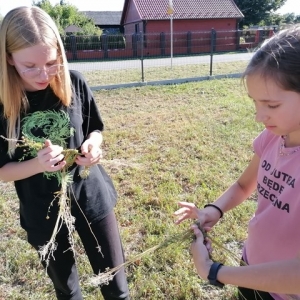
{"points": [[95, 195]]}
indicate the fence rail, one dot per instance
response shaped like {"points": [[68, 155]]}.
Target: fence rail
{"points": [[145, 58]]}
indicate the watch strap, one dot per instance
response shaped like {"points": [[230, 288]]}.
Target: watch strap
{"points": [[212, 275]]}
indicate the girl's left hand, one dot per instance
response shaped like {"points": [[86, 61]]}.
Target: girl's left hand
{"points": [[91, 154]]}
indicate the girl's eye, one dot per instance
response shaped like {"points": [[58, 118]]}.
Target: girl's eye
{"points": [[273, 106]]}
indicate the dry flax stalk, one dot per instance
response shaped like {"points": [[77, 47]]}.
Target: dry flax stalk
{"points": [[108, 275]]}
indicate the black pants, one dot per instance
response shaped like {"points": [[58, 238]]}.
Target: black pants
{"points": [[248, 294], [62, 269]]}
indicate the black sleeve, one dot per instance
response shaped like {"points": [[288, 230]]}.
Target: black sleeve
{"points": [[4, 157], [91, 115]]}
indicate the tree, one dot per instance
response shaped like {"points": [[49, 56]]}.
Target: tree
{"points": [[65, 14], [256, 11], [291, 18], [272, 19], [297, 19]]}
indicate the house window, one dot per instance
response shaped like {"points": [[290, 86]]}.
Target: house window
{"points": [[137, 28]]}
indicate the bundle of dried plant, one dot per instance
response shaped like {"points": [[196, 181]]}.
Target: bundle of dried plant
{"points": [[56, 127]]}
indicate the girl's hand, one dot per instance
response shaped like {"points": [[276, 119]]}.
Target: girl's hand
{"points": [[201, 250], [187, 211], [208, 217], [50, 158], [91, 153]]}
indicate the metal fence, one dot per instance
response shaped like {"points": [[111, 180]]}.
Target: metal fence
{"points": [[120, 60]]}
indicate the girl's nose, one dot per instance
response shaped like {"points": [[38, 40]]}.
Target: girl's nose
{"points": [[44, 73], [261, 116]]}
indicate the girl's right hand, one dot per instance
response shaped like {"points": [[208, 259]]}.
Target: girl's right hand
{"points": [[201, 253], [50, 158], [208, 217]]}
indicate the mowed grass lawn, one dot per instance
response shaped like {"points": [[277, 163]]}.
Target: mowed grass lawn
{"points": [[162, 145]]}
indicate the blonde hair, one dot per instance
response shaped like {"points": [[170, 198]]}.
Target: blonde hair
{"points": [[21, 28]]}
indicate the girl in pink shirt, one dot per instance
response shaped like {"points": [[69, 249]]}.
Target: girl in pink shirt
{"points": [[272, 249]]}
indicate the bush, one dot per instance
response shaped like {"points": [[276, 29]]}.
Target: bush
{"points": [[82, 42], [95, 42], [112, 41]]}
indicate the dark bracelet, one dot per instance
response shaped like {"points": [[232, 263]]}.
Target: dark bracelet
{"points": [[213, 272], [216, 207]]}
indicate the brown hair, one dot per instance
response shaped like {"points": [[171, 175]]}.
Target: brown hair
{"points": [[279, 59]]}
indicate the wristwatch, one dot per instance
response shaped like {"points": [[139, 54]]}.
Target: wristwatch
{"points": [[212, 275]]}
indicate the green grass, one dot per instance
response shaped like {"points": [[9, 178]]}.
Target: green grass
{"points": [[106, 77], [162, 145]]}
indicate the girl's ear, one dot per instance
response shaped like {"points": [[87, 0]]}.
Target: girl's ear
{"points": [[10, 59]]}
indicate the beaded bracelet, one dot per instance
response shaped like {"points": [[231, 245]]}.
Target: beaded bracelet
{"points": [[216, 207]]}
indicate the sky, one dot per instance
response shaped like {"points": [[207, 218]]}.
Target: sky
{"points": [[291, 6], [82, 5]]}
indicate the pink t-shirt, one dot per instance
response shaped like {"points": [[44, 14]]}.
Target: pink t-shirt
{"points": [[273, 232]]}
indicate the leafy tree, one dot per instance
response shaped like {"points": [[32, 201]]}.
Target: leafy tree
{"points": [[297, 19], [280, 20], [65, 14], [256, 11], [272, 19], [291, 18]]}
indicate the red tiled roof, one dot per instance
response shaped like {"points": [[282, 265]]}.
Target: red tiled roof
{"points": [[187, 9]]}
